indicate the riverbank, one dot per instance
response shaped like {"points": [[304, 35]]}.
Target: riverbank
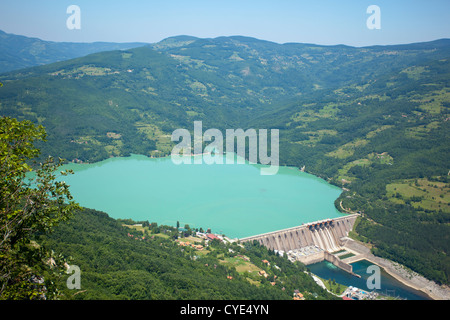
{"points": [[401, 274]]}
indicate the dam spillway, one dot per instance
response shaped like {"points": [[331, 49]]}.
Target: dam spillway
{"points": [[325, 234], [312, 242]]}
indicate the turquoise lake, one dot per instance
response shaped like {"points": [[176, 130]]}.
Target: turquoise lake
{"points": [[233, 199]]}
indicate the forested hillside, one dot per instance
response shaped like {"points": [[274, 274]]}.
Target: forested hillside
{"points": [[122, 263], [386, 144], [373, 120]]}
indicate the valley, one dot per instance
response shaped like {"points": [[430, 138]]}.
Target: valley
{"points": [[373, 121]]}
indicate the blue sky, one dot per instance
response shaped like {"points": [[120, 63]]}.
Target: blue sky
{"points": [[326, 22]]}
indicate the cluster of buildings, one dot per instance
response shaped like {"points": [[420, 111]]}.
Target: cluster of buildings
{"points": [[298, 295], [299, 254], [205, 236], [212, 236], [135, 237], [193, 245], [354, 293]]}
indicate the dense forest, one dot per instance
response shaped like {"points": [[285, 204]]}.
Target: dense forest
{"points": [[373, 120], [122, 263]]}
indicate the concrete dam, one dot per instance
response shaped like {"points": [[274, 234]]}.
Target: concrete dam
{"points": [[311, 242], [325, 234]]}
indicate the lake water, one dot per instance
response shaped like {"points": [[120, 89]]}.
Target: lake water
{"points": [[234, 199], [388, 284]]}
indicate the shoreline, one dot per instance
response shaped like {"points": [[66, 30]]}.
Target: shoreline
{"points": [[399, 272], [400, 275]]}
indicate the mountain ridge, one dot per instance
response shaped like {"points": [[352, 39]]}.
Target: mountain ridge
{"points": [[250, 38], [32, 51], [18, 52]]}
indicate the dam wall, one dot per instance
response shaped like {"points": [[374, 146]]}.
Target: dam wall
{"points": [[325, 234], [312, 242]]}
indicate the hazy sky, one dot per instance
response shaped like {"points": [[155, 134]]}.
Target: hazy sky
{"points": [[325, 22]]}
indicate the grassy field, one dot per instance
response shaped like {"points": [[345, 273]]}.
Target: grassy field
{"points": [[244, 267], [423, 193], [163, 141], [241, 265], [347, 149], [333, 286]]}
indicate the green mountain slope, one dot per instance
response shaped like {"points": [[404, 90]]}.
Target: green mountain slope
{"points": [[386, 144], [225, 82], [115, 265]]}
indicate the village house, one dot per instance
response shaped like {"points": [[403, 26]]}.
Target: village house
{"points": [[298, 295], [211, 237]]}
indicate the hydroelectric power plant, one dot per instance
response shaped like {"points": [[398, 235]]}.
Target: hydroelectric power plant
{"points": [[313, 242]]}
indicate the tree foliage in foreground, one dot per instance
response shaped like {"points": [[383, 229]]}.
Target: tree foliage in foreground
{"points": [[31, 201]]}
